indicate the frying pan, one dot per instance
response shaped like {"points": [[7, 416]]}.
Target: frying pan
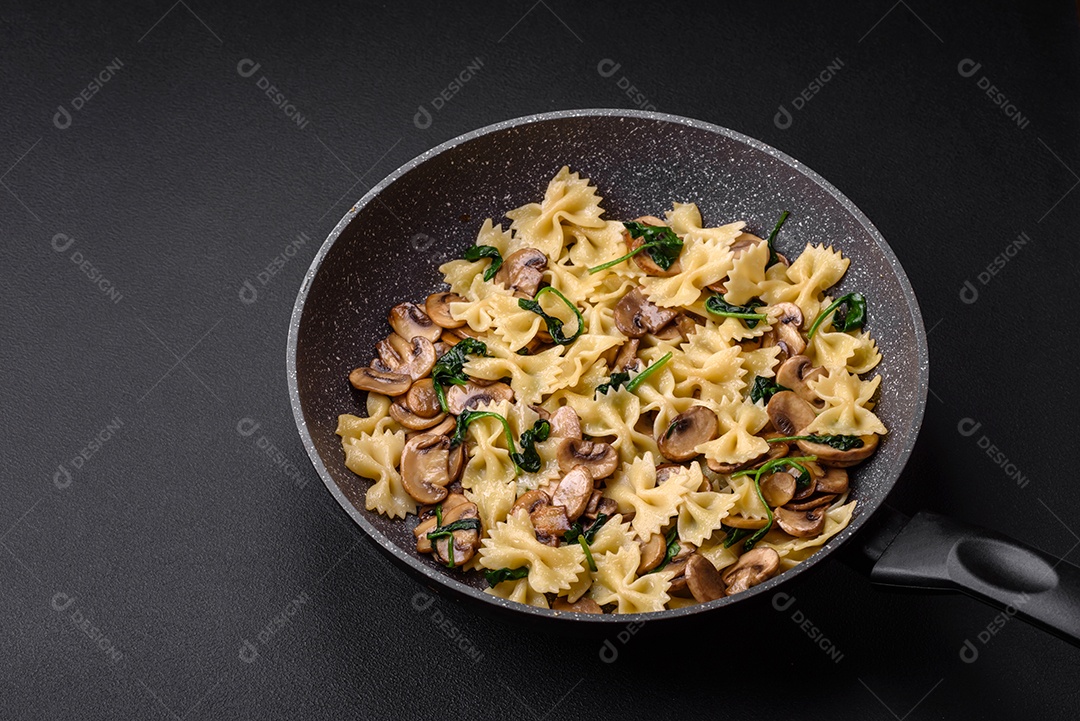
{"points": [[388, 247]]}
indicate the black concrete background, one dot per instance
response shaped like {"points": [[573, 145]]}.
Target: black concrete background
{"points": [[186, 570]]}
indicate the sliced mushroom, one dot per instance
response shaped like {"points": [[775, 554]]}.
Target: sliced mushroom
{"points": [[778, 488], [750, 524], [686, 325], [470, 395], [582, 605], [428, 520], [626, 360], [600, 458], [841, 459], [643, 259], [437, 307], [795, 374], [801, 524], [789, 413], [787, 327], [446, 426], [410, 321], [703, 579], [824, 499], [420, 359], [801, 494], [530, 501], [752, 568], [522, 271], [387, 383], [636, 315], [455, 462], [664, 471], [834, 480], [687, 431], [393, 351], [652, 553], [422, 399], [550, 522], [404, 415], [425, 467], [465, 542], [606, 506], [565, 423], [573, 491]]}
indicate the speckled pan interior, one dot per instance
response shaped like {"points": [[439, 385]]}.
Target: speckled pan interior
{"points": [[388, 248]]}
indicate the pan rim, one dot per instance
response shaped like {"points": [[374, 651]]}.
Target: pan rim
{"points": [[446, 581]]}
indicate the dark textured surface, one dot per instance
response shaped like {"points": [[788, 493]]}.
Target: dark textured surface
{"points": [[637, 162], [180, 538]]}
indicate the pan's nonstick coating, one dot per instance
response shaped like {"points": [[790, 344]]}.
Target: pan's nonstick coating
{"points": [[388, 247]]}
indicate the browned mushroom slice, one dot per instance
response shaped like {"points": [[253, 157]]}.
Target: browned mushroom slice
{"points": [[686, 325], [752, 568], [778, 488], [565, 423], [787, 328], [420, 359], [635, 315], [626, 359], [703, 579], [422, 399], [404, 415], [437, 307], [824, 499], [652, 553], [446, 426], [737, 521], [789, 413], [841, 459], [471, 395], [394, 351], [522, 271], [530, 501], [664, 471], [582, 605], [801, 494], [410, 321], [801, 524], [687, 431], [450, 338], [465, 541], [643, 259], [795, 374], [426, 526], [550, 522], [455, 462], [600, 458], [835, 481], [425, 467], [387, 383], [573, 491]]}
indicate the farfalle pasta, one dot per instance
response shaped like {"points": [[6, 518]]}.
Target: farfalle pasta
{"points": [[620, 416]]}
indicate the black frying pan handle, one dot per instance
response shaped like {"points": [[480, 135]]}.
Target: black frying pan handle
{"points": [[932, 552]]}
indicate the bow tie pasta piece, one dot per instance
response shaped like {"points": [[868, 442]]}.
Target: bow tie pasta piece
{"points": [[462, 275], [804, 283], [569, 199], [708, 367], [531, 376], [633, 488], [846, 398], [747, 274], [378, 419], [519, 591], [713, 549], [614, 414], [857, 352], [616, 581], [377, 456], [593, 246], [499, 312], [793, 550], [513, 544], [685, 220], [739, 420], [747, 504], [702, 513], [704, 262]]}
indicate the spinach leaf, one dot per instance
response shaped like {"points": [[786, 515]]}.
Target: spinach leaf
{"points": [[589, 534], [465, 524], [661, 243], [840, 443], [477, 252], [448, 370], [734, 535], [718, 306], [588, 553], [768, 467], [850, 314], [764, 389], [528, 459], [773, 258], [468, 417], [554, 325], [496, 576], [619, 379]]}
